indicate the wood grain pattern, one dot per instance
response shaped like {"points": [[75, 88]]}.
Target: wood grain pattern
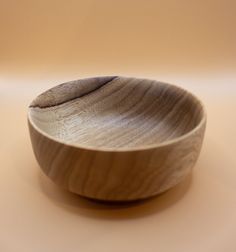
{"points": [[116, 138]]}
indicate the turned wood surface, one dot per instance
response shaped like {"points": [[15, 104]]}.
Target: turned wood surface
{"points": [[115, 112], [116, 138]]}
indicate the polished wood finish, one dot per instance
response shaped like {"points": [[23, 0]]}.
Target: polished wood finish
{"points": [[116, 138]]}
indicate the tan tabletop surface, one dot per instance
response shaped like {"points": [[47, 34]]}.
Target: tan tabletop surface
{"points": [[190, 43], [197, 215]]}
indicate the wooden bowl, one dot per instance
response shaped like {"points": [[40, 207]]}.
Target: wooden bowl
{"points": [[116, 138]]}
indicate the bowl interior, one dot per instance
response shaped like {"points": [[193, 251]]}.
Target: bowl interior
{"points": [[115, 112]]}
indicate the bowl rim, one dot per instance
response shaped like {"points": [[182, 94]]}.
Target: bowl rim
{"points": [[126, 149]]}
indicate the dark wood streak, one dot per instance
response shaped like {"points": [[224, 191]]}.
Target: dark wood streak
{"points": [[59, 95]]}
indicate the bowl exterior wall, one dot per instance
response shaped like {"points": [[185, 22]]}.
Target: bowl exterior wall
{"points": [[117, 175]]}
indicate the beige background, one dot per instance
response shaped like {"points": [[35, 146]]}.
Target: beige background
{"points": [[190, 43]]}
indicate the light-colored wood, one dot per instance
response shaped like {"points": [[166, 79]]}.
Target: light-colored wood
{"points": [[116, 138]]}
